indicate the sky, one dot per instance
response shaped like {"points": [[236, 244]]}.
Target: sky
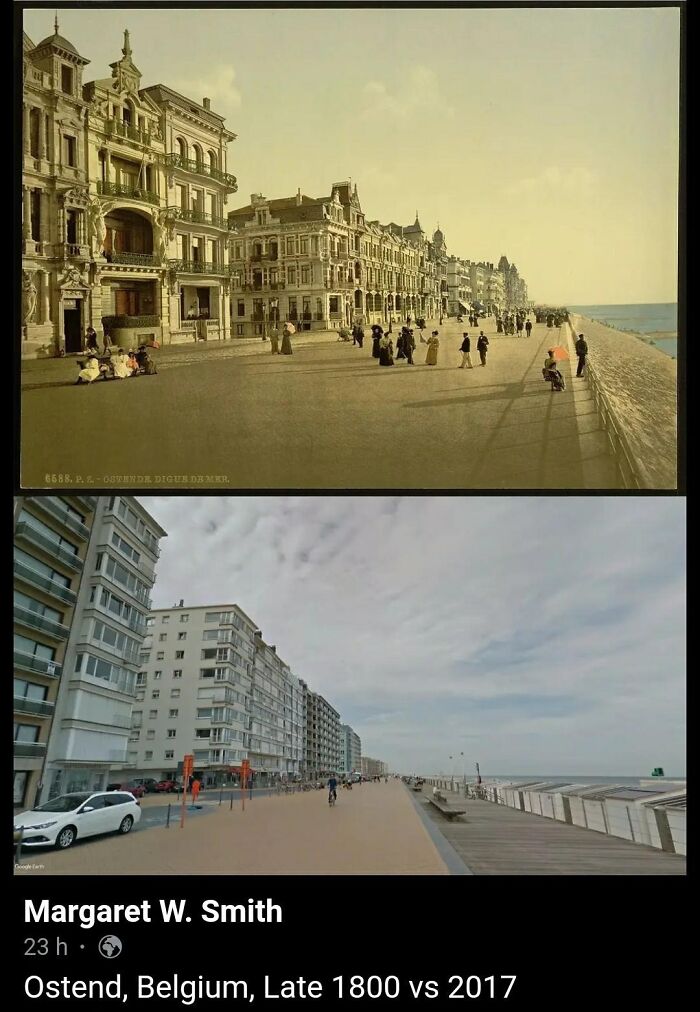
{"points": [[546, 135], [531, 634]]}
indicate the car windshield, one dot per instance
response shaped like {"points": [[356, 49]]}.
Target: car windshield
{"points": [[64, 803]]}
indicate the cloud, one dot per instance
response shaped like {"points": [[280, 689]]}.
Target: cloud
{"points": [[530, 629], [576, 181], [418, 97], [217, 84]]}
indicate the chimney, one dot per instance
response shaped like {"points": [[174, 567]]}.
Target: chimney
{"points": [[206, 102], [299, 196], [182, 602]]}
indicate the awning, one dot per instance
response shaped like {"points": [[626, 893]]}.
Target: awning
{"points": [[464, 307]]}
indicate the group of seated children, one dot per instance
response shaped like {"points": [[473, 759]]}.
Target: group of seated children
{"points": [[118, 366]]}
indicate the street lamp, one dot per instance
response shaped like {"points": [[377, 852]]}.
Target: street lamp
{"points": [[452, 780], [464, 771]]}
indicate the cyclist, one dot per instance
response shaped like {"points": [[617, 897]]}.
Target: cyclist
{"points": [[332, 790]]}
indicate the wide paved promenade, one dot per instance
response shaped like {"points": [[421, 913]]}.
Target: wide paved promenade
{"points": [[497, 840], [372, 830], [234, 416]]}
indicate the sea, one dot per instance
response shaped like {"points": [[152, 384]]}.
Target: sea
{"points": [[641, 318], [566, 778]]}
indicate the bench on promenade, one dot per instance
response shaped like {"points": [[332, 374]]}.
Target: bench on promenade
{"points": [[447, 810]]}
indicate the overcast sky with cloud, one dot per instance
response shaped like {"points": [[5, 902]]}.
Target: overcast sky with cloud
{"points": [[534, 634], [548, 135]]}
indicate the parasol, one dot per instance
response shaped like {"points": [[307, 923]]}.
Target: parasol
{"points": [[560, 354]]}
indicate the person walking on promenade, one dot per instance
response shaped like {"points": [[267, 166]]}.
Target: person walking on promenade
{"points": [[482, 346], [196, 786], [466, 348], [399, 343], [528, 328], [433, 343], [581, 351], [409, 346], [274, 341], [386, 351], [377, 333], [287, 332], [360, 336]]}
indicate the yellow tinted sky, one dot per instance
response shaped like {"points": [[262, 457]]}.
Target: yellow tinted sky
{"points": [[547, 135]]}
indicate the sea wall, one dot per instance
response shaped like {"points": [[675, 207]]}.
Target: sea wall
{"points": [[640, 383]]}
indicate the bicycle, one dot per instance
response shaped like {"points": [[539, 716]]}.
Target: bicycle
{"points": [[332, 798]]}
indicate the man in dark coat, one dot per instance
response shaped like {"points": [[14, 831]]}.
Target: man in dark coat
{"points": [[581, 351]]}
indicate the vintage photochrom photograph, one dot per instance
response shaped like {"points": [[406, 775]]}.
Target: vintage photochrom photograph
{"points": [[349, 685], [234, 221]]}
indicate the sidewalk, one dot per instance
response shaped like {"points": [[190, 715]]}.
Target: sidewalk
{"points": [[372, 830]]}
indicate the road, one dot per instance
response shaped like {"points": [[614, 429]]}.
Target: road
{"points": [[230, 416]]}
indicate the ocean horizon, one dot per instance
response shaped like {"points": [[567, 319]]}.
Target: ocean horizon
{"points": [[560, 778], [639, 318]]}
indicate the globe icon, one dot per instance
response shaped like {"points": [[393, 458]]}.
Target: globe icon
{"points": [[110, 946]]}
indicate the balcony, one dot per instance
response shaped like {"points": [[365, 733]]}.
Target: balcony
{"points": [[37, 665], [126, 322], [37, 707], [176, 161], [34, 620], [30, 748], [55, 509], [41, 582], [89, 501], [195, 215], [117, 128], [139, 259], [123, 190], [25, 532], [257, 258], [197, 267]]}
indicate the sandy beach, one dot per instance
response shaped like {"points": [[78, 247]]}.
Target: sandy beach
{"points": [[641, 383]]}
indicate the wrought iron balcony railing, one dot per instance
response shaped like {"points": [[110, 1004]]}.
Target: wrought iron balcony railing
{"points": [[198, 267], [177, 161], [141, 259], [124, 190], [197, 216], [117, 128]]}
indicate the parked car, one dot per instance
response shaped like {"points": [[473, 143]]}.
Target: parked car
{"points": [[148, 783], [63, 820], [166, 786], [134, 787]]}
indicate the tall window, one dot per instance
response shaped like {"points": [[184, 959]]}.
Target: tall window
{"points": [[66, 79], [70, 151], [182, 147]]}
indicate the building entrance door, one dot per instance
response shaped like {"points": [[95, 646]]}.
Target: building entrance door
{"points": [[71, 328]]}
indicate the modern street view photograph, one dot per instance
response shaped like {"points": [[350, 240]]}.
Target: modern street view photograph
{"points": [[256, 212], [346, 685]]}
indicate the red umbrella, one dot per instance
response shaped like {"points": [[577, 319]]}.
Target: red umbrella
{"points": [[559, 354]]}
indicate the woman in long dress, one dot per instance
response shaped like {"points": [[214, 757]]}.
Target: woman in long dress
{"points": [[287, 340], [91, 372], [433, 343], [386, 351], [377, 333], [275, 341]]}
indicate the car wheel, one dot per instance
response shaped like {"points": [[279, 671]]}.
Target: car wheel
{"points": [[66, 837], [126, 824]]}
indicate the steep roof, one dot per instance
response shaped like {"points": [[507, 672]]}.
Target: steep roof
{"points": [[60, 43]]}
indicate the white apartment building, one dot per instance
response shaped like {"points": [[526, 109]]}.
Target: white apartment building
{"points": [[210, 686], [322, 736], [350, 750], [90, 730]]}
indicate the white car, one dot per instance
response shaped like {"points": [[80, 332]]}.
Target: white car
{"points": [[63, 820]]}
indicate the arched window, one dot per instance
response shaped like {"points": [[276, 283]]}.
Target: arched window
{"points": [[212, 160], [198, 156], [181, 147], [129, 113]]}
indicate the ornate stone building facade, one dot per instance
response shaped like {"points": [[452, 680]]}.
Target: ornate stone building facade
{"points": [[124, 188]]}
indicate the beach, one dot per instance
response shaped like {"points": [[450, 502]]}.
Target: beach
{"points": [[640, 381]]}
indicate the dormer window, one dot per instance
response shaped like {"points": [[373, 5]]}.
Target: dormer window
{"points": [[66, 79]]}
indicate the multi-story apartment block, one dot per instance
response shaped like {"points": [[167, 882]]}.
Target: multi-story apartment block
{"points": [[493, 289], [90, 732], [350, 750], [373, 767], [322, 731], [209, 685], [123, 218], [459, 286], [51, 538]]}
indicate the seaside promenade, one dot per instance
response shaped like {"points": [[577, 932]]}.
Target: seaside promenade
{"points": [[234, 416], [375, 829]]}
